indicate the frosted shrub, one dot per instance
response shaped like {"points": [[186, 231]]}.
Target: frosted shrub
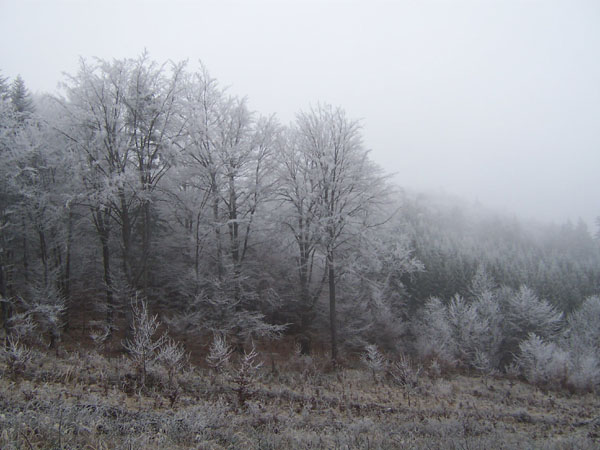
{"points": [[482, 363], [47, 308], [245, 376], [403, 373], [487, 355], [219, 353], [582, 340], [542, 362], [583, 327], [374, 360], [468, 329], [585, 372], [15, 355], [433, 333], [526, 313], [172, 357], [144, 345], [22, 326], [40, 315], [101, 333]]}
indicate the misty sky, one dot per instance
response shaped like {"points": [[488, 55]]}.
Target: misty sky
{"points": [[494, 101]]}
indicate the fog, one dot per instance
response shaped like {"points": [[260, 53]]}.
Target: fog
{"points": [[497, 102]]}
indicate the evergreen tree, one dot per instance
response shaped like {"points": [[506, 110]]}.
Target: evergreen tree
{"points": [[21, 98], [4, 88]]}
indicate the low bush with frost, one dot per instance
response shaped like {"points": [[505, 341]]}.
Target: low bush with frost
{"points": [[172, 357], [15, 355], [543, 363], [404, 373], [374, 360], [433, 333], [245, 375], [144, 345], [582, 340], [219, 354]]}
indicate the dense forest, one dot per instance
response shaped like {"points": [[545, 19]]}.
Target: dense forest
{"points": [[146, 185]]}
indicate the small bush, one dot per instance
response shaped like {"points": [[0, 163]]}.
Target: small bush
{"points": [[172, 357], [219, 354], [543, 363], [374, 360], [245, 376], [15, 355], [403, 373], [143, 346]]}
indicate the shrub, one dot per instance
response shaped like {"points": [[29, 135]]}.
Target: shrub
{"points": [[433, 333], [144, 345], [219, 353], [525, 313], [374, 360], [543, 363], [172, 357], [245, 376], [15, 355], [582, 340], [403, 373]]}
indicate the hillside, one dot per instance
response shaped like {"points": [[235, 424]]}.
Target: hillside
{"points": [[84, 400]]}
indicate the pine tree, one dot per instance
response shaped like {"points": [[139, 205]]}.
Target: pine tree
{"points": [[4, 88], [21, 98]]}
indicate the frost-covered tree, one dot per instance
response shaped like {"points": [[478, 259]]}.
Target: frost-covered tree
{"points": [[123, 125], [524, 313], [542, 362], [349, 187], [4, 87], [21, 99], [582, 341]]}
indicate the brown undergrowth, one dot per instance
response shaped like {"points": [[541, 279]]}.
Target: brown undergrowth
{"points": [[85, 400]]}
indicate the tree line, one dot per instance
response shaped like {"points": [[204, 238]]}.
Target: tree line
{"points": [[149, 179]]}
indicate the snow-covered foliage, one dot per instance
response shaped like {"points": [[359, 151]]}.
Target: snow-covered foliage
{"points": [[433, 334], [374, 360], [525, 313], [541, 362], [582, 340], [219, 353], [245, 375], [15, 355], [144, 345]]}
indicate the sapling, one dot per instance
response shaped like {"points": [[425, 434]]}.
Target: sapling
{"points": [[172, 356], [143, 345], [219, 354], [245, 375], [374, 360], [15, 355]]}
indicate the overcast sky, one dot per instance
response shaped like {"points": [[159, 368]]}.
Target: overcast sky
{"points": [[494, 101]]}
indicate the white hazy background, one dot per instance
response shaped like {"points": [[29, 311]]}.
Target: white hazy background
{"points": [[497, 102]]}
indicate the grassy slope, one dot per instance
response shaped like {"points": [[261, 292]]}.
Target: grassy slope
{"points": [[88, 401]]}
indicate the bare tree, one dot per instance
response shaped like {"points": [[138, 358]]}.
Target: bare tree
{"points": [[123, 124], [347, 186]]}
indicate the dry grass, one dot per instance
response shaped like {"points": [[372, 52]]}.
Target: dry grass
{"points": [[88, 401]]}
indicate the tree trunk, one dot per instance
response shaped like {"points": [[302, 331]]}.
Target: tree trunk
{"points": [[145, 246], [67, 271], [101, 219], [25, 258], [107, 282], [5, 306], [217, 233], [125, 238], [44, 256], [332, 311]]}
